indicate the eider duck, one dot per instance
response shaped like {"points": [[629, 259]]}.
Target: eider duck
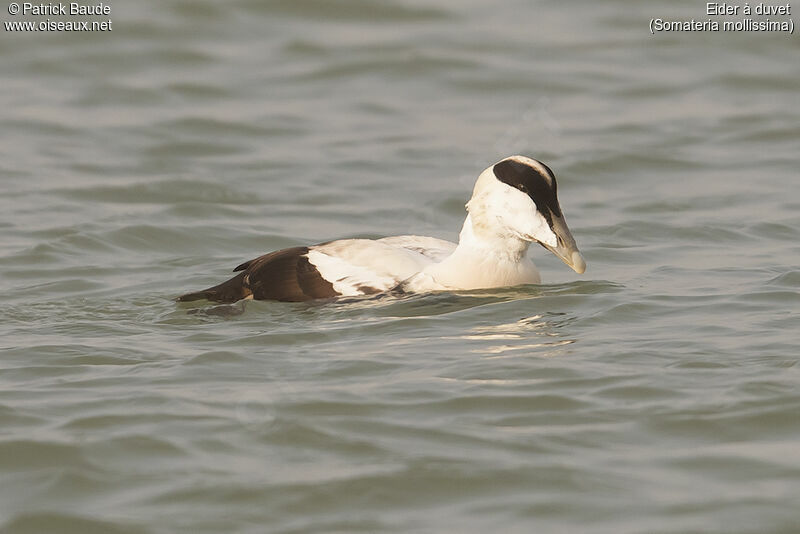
{"points": [[513, 204]]}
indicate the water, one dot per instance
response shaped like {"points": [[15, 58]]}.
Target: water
{"points": [[658, 392]]}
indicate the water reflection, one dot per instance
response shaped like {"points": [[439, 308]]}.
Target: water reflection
{"points": [[521, 337]]}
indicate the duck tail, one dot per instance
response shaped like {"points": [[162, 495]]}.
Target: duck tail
{"points": [[227, 292]]}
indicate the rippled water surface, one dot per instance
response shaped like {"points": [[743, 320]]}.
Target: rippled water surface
{"points": [[657, 393]]}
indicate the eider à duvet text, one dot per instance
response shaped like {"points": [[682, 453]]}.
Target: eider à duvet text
{"points": [[513, 204]]}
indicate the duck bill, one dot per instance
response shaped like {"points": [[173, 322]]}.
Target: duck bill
{"points": [[566, 249]]}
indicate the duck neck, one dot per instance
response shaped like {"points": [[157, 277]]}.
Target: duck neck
{"points": [[489, 243], [484, 258]]}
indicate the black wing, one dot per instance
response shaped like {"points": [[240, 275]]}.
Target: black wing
{"points": [[285, 275]]}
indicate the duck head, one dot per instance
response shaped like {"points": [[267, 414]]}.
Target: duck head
{"points": [[517, 197]]}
